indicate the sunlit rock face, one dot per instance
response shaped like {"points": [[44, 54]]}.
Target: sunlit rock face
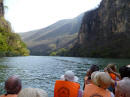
{"points": [[105, 31]]}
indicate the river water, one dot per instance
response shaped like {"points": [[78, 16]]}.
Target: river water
{"points": [[42, 71]]}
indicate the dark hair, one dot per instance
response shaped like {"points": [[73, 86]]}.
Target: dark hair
{"points": [[13, 86], [124, 71], [94, 68]]}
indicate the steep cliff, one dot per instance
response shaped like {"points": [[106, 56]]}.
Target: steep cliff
{"points": [[105, 31], [10, 43], [1, 8]]}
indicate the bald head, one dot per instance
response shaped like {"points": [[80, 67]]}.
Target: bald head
{"points": [[13, 85]]}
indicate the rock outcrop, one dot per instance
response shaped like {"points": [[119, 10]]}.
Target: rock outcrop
{"points": [[1, 8], [105, 31]]}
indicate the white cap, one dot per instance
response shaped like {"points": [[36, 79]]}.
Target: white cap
{"points": [[128, 66], [69, 76]]}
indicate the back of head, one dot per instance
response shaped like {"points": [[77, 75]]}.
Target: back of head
{"points": [[101, 79], [128, 66], [13, 85], [112, 66], [32, 92], [124, 71], [70, 76], [94, 68]]}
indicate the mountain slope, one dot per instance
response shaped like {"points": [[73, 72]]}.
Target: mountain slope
{"points": [[105, 31], [61, 34]]}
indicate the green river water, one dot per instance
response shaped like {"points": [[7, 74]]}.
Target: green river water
{"points": [[42, 71]]}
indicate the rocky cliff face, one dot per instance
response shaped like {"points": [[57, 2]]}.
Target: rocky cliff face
{"points": [[105, 31], [1, 8], [3, 22]]}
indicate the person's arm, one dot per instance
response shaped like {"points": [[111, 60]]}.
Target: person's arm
{"points": [[87, 74], [111, 71], [117, 74], [84, 84]]}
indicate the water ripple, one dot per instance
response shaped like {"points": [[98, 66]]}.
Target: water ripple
{"points": [[42, 72]]}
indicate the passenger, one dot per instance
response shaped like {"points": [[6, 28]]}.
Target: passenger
{"points": [[87, 78], [32, 92], [111, 69], [123, 86], [12, 87], [101, 81], [67, 86]]}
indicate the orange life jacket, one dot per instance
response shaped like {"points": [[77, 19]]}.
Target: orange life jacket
{"points": [[113, 76], [92, 90], [9, 95], [66, 89]]}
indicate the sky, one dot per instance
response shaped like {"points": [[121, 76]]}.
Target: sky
{"points": [[27, 15]]}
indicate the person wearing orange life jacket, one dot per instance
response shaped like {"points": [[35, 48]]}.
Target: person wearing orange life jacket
{"points": [[12, 87], [67, 86], [111, 69], [87, 78], [101, 81]]}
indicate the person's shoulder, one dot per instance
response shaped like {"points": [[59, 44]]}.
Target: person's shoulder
{"points": [[45, 93], [14, 95], [10, 95], [42, 92]]}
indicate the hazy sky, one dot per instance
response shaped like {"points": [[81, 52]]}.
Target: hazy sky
{"points": [[26, 15]]}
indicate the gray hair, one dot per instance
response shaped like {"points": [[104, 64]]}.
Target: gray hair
{"points": [[123, 87], [32, 92], [101, 79]]}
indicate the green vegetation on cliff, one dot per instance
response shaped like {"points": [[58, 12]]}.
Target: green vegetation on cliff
{"points": [[10, 43], [60, 52]]}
